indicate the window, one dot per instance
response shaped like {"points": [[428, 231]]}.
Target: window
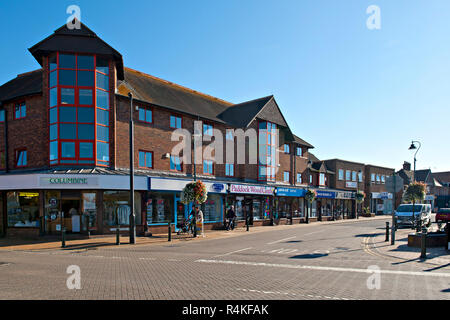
{"points": [[229, 170], [175, 163], [310, 179], [20, 111], [341, 174], [78, 109], [207, 129], [145, 115], [21, 158], [286, 176], [299, 178], [2, 115], [146, 159], [267, 149], [322, 179], [378, 178], [347, 175], [175, 122], [353, 175], [299, 152], [230, 135], [360, 176], [286, 148], [372, 177], [208, 167]]}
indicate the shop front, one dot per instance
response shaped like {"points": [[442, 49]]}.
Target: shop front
{"points": [[162, 203], [45, 204], [290, 203], [381, 203], [325, 205], [344, 205], [252, 200]]}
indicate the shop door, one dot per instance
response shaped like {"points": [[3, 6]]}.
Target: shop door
{"points": [[72, 216], [319, 210], [181, 213]]}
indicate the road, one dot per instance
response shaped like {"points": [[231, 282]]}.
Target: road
{"points": [[316, 261]]}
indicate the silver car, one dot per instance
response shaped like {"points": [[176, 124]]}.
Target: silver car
{"points": [[406, 218]]}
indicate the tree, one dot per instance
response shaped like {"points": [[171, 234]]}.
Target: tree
{"points": [[415, 193]]}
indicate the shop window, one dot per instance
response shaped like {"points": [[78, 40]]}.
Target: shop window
{"points": [[212, 208], [299, 152], [175, 122], [341, 174], [229, 170], [286, 176], [208, 167], [23, 209], [20, 111], [117, 208], [175, 163], [159, 208], [257, 210], [2, 115], [146, 159], [145, 115], [21, 158]]}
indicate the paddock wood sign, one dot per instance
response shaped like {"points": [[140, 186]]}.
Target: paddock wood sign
{"points": [[247, 189]]}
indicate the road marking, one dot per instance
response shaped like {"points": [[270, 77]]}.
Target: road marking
{"points": [[227, 254], [338, 269], [307, 234], [283, 251], [293, 294], [280, 240]]}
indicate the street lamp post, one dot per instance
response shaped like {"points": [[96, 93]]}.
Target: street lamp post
{"points": [[357, 190], [413, 147], [132, 214]]}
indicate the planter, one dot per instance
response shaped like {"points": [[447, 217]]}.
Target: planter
{"points": [[433, 240]]}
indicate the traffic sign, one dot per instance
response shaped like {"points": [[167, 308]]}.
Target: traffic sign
{"points": [[390, 184]]}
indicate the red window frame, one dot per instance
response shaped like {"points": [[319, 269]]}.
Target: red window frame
{"points": [[145, 108], [20, 105], [229, 164], [16, 157], [145, 160], [176, 116], [78, 159]]}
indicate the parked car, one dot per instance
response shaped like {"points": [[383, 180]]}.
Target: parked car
{"points": [[442, 217], [404, 215]]}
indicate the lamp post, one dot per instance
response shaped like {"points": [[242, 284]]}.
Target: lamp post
{"points": [[132, 215], [413, 147], [309, 164], [357, 191]]}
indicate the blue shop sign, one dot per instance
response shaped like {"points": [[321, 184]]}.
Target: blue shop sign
{"points": [[326, 194], [218, 187], [290, 192]]}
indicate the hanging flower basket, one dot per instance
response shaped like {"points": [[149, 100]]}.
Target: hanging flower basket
{"points": [[310, 195], [359, 196], [194, 192]]}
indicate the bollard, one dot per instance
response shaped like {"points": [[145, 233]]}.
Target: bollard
{"points": [[118, 235], [393, 234], [169, 233], [423, 254], [447, 243], [63, 237], [247, 224], [387, 231], [195, 226]]}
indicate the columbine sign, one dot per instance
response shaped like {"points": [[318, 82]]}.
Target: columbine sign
{"points": [[61, 181], [241, 188]]}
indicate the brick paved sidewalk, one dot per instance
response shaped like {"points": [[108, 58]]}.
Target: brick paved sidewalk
{"points": [[109, 241], [400, 252]]}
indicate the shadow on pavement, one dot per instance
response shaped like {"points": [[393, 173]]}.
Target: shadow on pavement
{"points": [[365, 235], [310, 256], [446, 290]]}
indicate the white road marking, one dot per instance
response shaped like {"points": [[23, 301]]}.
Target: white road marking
{"points": [[292, 294], [338, 269], [280, 240], [227, 254], [283, 251], [307, 234]]}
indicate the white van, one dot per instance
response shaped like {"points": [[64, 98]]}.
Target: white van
{"points": [[404, 214]]}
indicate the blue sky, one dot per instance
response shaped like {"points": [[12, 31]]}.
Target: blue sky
{"points": [[353, 93]]}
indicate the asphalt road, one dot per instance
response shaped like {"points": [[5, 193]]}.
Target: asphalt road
{"points": [[317, 261]]}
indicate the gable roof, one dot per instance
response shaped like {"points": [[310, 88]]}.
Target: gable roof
{"points": [[163, 93], [312, 157], [442, 177], [302, 142], [23, 85], [241, 115], [82, 40]]}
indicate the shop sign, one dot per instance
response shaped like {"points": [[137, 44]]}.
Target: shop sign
{"points": [[382, 195], [28, 194], [290, 192], [350, 184], [429, 198], [240, 188], [344, 195], [68, 181], [217, 187], [326, 194]]}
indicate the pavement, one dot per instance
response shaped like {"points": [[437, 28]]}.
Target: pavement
{"points": [[342, 260]]}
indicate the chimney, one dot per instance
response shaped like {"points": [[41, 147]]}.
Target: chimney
{"points": [[406, 166]]}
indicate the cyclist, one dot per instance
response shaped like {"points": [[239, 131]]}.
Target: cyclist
{"points": [[231, 215]]}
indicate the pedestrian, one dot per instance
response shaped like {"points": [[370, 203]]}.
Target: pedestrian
{"points": [[231, 215]]}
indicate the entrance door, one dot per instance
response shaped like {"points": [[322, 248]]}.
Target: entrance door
{"points": [[72, 214], [180, 213]]}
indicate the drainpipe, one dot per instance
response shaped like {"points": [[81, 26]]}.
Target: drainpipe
{"points": [[6, 141]]}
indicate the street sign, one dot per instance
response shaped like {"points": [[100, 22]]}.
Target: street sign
{"points": [[390, 184]]}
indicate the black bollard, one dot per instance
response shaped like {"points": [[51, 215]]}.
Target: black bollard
{"points": [[118, 235], [63, 237], [169, 232], [387, 231], [423, 254]]}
